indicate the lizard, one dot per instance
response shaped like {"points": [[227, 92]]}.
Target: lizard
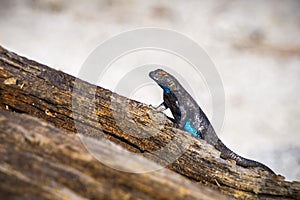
{"points": [[189, 116]]}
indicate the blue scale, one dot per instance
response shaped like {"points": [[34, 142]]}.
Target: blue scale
{"points": [[191, 129]]}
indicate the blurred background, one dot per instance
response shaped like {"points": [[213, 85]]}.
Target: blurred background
{"points": [[255, 46]]}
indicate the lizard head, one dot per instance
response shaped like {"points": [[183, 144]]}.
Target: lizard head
{"points": [[165, 80]]}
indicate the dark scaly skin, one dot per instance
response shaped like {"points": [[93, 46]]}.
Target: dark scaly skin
{"points": [[184, 108]]}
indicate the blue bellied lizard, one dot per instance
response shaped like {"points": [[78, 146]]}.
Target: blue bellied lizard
{"points": [[189, 116]]}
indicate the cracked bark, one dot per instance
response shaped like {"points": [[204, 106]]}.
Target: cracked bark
{"points": [[39, 161]]}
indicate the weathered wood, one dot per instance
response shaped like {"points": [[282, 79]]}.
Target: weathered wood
{"points": [[29, 87], [39, 161]]}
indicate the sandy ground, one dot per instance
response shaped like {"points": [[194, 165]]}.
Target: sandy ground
{"points": [[255, 46]]}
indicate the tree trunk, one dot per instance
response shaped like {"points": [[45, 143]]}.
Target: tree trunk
{"points": [[79, 107]]}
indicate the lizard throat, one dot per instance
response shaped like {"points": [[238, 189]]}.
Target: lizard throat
{"points": [[166, 89]]}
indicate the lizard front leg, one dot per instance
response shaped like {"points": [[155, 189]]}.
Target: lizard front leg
{"points": [[162, 107]]}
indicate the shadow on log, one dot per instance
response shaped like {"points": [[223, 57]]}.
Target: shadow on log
{"points": [[79, 107]]}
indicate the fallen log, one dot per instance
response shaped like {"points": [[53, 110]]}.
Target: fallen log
{"points": [[77, 106], [39, 161]]}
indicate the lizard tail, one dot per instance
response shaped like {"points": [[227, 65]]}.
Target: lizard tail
{"points": [[226, 153]]}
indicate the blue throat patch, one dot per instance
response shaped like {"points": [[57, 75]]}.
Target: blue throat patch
{"points": [[191, 129], [166, 89]]}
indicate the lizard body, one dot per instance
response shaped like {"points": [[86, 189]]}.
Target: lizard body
{"points": [[189, 116]]}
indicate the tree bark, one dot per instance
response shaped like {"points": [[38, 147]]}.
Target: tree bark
{"points": [[79, 107], [39, 161]]}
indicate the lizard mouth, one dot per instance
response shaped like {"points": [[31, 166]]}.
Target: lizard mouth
{"points": [[153, 75]]}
